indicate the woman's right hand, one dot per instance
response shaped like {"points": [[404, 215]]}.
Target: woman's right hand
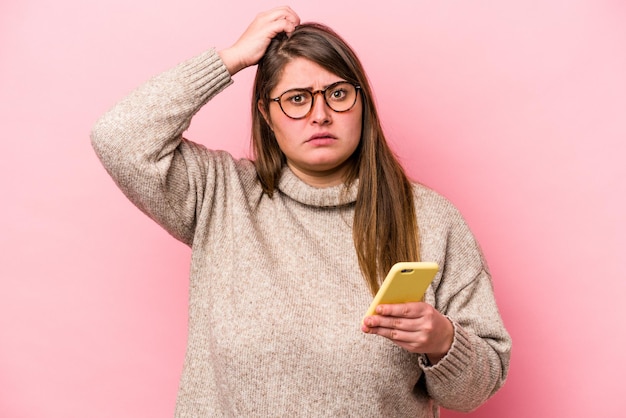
{"points": [[251, 46]]}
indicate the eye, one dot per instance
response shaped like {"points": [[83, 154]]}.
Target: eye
{"points": [[297, 98], [338, 93]]}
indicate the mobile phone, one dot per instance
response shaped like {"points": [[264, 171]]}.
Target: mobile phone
{"points": [[405, 282]]}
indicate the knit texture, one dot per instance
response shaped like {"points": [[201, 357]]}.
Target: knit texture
{"points": [[276, 294]]}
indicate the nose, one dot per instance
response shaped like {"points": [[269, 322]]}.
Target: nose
{"points": [[320, 112]]}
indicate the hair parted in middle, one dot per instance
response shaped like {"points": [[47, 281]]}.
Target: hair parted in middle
{"points": [[385, 227]]}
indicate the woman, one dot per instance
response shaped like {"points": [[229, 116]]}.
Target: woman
{"points": [[288, 249]]}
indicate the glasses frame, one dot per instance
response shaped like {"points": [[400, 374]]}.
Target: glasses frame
{"points": [[357, 88]]}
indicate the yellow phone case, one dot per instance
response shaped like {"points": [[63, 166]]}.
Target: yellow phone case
{"points": [[405, 282]]}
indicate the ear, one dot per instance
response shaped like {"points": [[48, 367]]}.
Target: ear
{"points": [[261, 107]]}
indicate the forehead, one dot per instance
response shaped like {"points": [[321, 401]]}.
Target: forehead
{"points": [[303, 73]]}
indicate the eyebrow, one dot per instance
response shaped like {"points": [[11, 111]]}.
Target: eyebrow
{"points": [[311, 88]]}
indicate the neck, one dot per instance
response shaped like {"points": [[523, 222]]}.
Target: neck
{"points": [[320, 179]]}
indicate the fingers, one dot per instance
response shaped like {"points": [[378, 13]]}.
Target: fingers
{"points": [[417, 327], [390, 322], [285, 18], [413, 338], [402, 323], [403, 310], [398, 329], [394, 321], [252, 44], [404, 333], [272, 22]]}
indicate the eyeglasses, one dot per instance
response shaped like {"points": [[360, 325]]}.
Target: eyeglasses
{"points": [[297, 103]]}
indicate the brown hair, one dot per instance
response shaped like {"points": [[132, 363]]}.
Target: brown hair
{"points": [[385, 225]]}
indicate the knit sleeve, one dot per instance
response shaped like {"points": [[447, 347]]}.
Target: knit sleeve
{"points": [[477, 364], [140, 143]]}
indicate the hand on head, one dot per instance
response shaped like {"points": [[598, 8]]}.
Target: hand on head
{"points": [[252, 44]]}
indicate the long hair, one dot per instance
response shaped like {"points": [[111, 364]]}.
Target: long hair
{"points": [[385, 226]]}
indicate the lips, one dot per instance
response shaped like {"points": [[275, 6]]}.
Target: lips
{"points": [[322, 135]]}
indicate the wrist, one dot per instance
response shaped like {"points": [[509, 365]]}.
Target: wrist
{"points": [[446, 344], [231, 61]]}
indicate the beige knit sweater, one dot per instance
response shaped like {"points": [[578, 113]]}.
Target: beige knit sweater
{"points": [[276, 294]]}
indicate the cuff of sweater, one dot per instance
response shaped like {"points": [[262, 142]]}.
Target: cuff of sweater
{"points": [[456, 360], [207, 74]]}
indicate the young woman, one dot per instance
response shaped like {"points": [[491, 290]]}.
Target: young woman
{"points": [[288, 248]]}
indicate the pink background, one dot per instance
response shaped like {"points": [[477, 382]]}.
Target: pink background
{"points": [[514, 110]]}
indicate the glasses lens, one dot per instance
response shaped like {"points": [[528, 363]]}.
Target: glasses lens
{"points": [[296, 103], [341, 96]]}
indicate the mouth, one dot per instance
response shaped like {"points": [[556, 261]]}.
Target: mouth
{"points": [[322, 135]]}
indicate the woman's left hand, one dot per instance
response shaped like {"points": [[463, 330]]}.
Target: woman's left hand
{"points": [[416, 326]]}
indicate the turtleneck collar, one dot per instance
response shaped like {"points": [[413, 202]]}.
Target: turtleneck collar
{"points": [[290, 185]]}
